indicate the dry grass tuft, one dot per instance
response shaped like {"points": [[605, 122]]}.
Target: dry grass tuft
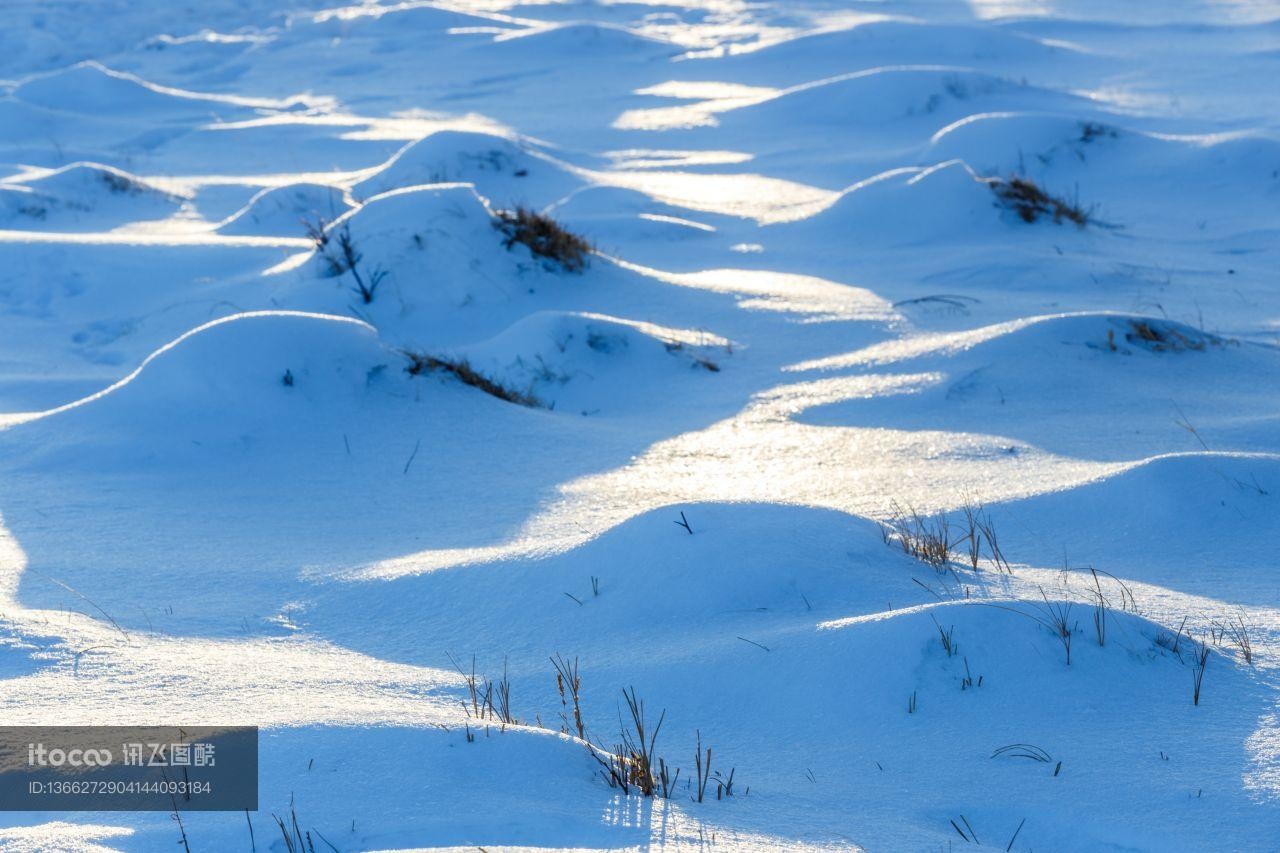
{"points": [[1237, 632], [926, 539], [1027, 199], [121, 184], [979, 528], [1091, 130], [633, 762], [487, 701], [1164, 337], [545, 237], [421, 363]]}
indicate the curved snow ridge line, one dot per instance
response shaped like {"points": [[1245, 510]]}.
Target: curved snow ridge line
{"points": [[1000, 114], [1208, 140], [374, 13], [540, 27], [34, 177], [207, 36], [744, 195], [849, 22], [818, 205], [410, 190], [142, 238], [768, 290], [184, 94], [547, 534], [707, 100], [944, 343], [1010, 604], [527, 545], [7, 421], [1119, 469], [891, 72], [444, 185], [881, 70], [662, 334], [878, 616], [1203, 140], [267, 192], [918, 174], [503, 134], [886, 615]]}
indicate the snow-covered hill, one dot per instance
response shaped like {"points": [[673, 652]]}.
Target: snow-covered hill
{"points": [[343, 346]]}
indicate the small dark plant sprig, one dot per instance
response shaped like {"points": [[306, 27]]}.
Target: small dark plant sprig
{"points": [[946, 635], [1199, 662], [486, 700], [702, 768], [1058, 618], [338, 248], [667, 781], [972, 537], [1172, 642], [1099, 610], [970, 837], [295, 839], [988, 530], [724, 784], [1236, 630], [978, 529], [569, 685]]}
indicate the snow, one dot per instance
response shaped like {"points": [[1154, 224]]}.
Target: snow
{"points": [[225, 499]]}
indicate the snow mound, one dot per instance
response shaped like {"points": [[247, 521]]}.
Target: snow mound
{"points": [[390, 25], [901, 41], [436, 249], [1009, 683], [94, 89], [591, 363], [1122, 385], [992, 142], [435, 243], [586, 42], [720, 635], [88, 195], [502, 170], [789, 554], [906, 206], [619, 215], [1182, 177], [243, 372], [901, 97], [285, 210], [24, 123], [1186, 522]]}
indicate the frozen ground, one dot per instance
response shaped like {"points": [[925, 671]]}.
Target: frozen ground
{"points": [[224, 500]]}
